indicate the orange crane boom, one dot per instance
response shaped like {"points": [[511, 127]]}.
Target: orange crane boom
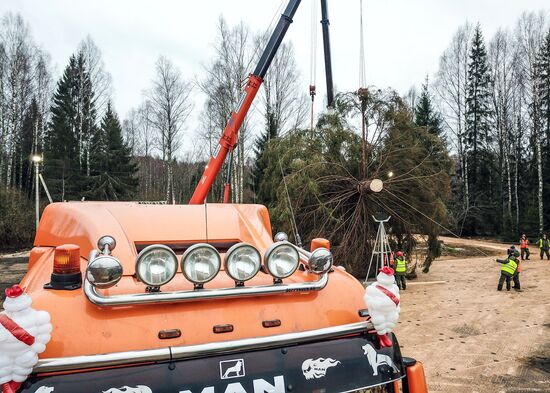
{"points": [[228, 140]]}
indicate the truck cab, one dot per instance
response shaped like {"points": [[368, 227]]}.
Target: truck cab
{"points": [[197, 299]]}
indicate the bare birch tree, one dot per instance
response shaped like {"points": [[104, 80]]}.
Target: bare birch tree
{"points": [[140, 134], [529, 35], [283, 98], [223, 83], [102, 91], [502, 57], [130, 131], [451, 85], [170, 106], [101, 79], [17, 89]]}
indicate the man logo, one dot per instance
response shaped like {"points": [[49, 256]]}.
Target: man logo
{"points": [[317, 368], [232, 369], [259, 386]]}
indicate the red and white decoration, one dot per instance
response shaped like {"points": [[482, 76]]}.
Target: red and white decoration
{"points": [[24, 333], [382, 299]]}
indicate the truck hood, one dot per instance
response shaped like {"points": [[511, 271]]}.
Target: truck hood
{"points": [[135, 225]]}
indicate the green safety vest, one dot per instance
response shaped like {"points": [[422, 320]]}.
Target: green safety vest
{"points": [[544, 243], [509, 267], [400, 265]]}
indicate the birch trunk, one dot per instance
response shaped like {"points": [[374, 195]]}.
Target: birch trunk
{"points": [[540, 185], [508, 184]]}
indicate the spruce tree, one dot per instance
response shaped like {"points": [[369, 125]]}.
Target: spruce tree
{"points": [[262, 160], [61, 164], [481, 174], [71, 128], [113, 172], [426, 117], [478, 99], [424, 113]]}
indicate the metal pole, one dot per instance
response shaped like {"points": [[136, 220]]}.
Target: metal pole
{"points": [[382, 245], [45, 187], [37, 195], [373, 254]]}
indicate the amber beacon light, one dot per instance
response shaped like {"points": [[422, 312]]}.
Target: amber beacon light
{"points": [[66, 273]]}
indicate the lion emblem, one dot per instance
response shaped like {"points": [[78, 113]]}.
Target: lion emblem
{"points": [[378, 359]]}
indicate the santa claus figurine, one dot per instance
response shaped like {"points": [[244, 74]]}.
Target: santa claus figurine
{"points": [[24, 333], [382, 299]]}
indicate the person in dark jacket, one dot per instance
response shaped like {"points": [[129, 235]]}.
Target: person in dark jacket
{"points": [[508, 269], [544, 245]]}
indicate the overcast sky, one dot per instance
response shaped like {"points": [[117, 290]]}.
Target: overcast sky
{"points": [[403, 38]]}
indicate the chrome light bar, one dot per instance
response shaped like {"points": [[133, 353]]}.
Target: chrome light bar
{"points": [[197, 351], [204, 294]]}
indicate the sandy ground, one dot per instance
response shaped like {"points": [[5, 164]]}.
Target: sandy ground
{"points": [[470, 337]]}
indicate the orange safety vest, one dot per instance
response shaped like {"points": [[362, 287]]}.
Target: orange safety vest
{"points": [[524, 243]]}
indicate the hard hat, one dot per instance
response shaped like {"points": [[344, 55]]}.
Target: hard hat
{"points": [[399, 253], [516, 253]]}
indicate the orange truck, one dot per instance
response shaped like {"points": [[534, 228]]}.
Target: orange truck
{"points": [[196, 298]]}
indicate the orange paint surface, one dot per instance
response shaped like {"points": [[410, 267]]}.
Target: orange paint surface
{"points": [[81, 328], [417, 379]]}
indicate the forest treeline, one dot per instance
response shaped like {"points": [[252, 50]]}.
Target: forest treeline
{"points": [[468, 152], [494, 98]]}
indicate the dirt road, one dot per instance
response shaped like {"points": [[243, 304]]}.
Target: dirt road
{"points": [[12, 268], [472, 338]]}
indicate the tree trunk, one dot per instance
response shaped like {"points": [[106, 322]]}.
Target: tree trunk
{"points": [[540, 184]]}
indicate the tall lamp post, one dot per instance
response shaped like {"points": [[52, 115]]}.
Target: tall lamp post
{"points": [[37, 159]]}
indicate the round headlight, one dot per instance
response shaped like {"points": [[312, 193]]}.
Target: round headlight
{"points": [[156, 265], [280, 237], [200, 263], [281, 259], [104, 272], [242, 262], [320, 261]]}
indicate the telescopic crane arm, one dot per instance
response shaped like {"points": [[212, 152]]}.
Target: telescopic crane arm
{"points": [[326, 46], [228, 140]]}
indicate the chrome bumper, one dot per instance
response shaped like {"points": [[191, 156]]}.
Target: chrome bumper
{"points": [[197, 351], [203, 294]]}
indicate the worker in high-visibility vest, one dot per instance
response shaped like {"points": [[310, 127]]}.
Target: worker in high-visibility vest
{"points": [[508, 269], [544, 245], [524, 247], [400, 270]]}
